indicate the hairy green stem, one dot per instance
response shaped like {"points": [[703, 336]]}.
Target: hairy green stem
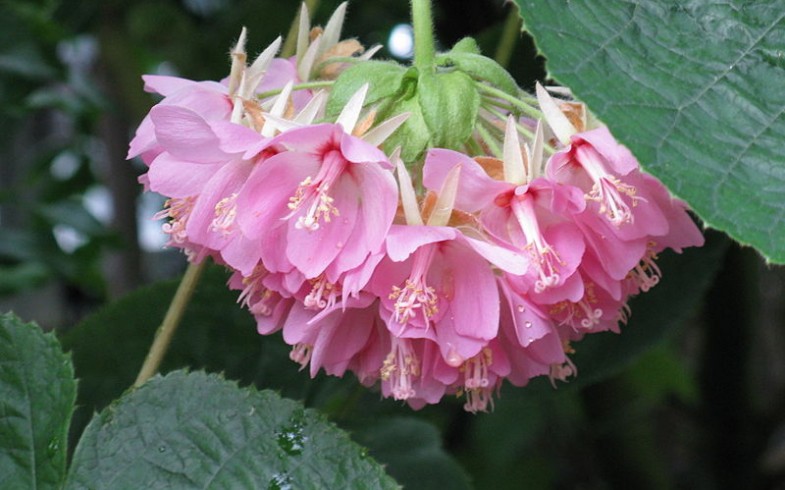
{"points": [[299, 86], [422, 21], [524, 106], [163, 337], [489, 140]]}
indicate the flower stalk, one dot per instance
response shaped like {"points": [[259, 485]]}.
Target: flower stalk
{"points": [[422, 21], [164, 334]]}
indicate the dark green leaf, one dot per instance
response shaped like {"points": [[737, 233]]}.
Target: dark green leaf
{"points": [[690, 88], [412, 450], [37, 393], [14, 278], [655, 314], [200, 431]]}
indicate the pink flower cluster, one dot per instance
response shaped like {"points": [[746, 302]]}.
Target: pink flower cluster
{"points": [[490, 275]]}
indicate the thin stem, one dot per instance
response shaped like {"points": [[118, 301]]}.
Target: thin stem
{"points": [[521, 129], [290, 44], [163, 337], [422, 21], [489, 141], [510, 35], [299, 86], [525, 108]]}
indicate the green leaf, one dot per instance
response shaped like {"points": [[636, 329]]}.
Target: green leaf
{"points": [[384, 79], [480, 68], [37, 393], [449, 103], [466, 45], [690, 88], [413, 136], [200, 431], [413, 453]]}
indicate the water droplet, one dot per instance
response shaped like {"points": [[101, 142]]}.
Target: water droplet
{"points": [[346, 221], [161, 449], [280, 481], [454, 359], [291, 438], [226, 416], [53, 447], [528, 324], [521, 308], [339, 245]]}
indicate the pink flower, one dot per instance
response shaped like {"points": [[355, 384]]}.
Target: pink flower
{"points": [[208, 99], [331, 338], [435, 283], [328, 197], [528, 336], [609, 176], [208, 167], [534, 218]]}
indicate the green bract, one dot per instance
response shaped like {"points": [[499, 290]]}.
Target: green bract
{"points": [[442, 102]]}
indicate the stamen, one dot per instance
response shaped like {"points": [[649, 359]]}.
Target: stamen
{"points": [[545, 260], [475, 370], [647, 273], [416, 294], [400, 365], [313, 192], [477, 400], [562, 371], [321, 288], [255, 296], [225, 213], [178, 210], [607, 191], [301, 354]]}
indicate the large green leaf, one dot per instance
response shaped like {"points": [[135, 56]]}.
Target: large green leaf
{"points": [[201, 431], [693, 89], [37, 392]]}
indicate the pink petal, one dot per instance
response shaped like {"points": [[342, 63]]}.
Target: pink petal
{"points": [[618, 158], [173, 177], [469, 284], [312, 251], [186, 135], [476, 190], [263, 200], [356, 150], [403, 240]]}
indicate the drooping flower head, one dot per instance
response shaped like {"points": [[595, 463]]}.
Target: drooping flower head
{"points": [[531, 231]]}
